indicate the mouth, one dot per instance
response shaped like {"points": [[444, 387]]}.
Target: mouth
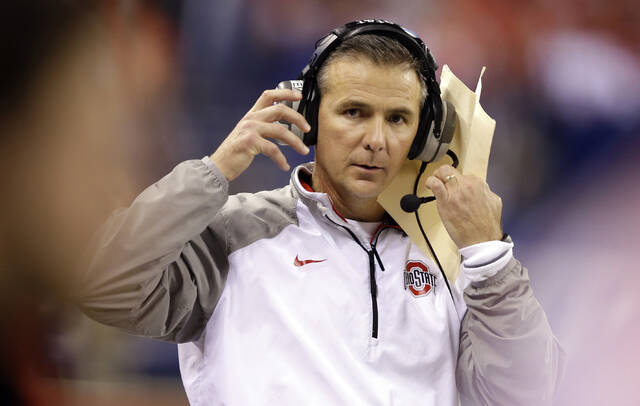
{"points": [[368, 168]]}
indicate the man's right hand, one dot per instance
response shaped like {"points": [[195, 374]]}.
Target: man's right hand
{"points": [[250, 136]]}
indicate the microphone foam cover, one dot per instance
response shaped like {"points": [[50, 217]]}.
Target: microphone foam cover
{"points": [[410, 203]]}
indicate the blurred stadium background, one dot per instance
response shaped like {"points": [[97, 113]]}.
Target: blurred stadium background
{"points": [[562, 82]]}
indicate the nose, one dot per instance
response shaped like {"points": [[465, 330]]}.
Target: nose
{"points": [[374, 139]]}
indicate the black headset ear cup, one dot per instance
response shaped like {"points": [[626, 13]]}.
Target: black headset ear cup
{"points": [[311, 138], [309, 109], [426, 118], [449, 125], [436, 143]]}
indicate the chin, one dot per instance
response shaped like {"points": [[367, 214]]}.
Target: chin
{"points": [[365, 189]]}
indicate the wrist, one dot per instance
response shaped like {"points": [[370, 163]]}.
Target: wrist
{"points": [[466, 242], [219, 163]]}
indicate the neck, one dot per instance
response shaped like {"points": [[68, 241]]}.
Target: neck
{"points": [[360, 211], [351, 207]]}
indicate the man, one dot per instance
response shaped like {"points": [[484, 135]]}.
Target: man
{"points": [[299, 295]]}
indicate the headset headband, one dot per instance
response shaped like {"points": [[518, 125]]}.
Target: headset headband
{"points": [[409, 40]]}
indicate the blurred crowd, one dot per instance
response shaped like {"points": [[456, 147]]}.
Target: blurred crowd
{"points": [[103, 97]]}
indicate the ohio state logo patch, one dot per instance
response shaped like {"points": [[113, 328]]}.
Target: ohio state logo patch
{"points": [[418, 279]]}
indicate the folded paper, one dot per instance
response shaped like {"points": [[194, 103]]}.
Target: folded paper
{"points": [[472, 144]]}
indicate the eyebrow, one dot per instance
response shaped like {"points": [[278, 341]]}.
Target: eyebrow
{"points": [[353, 103], [360, 104], [402, 110]]}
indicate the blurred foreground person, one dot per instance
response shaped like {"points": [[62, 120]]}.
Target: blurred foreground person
{"points": [[80, 78], [311, 294]]}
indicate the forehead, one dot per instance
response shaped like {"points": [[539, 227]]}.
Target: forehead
{"points": [[360, 78]]}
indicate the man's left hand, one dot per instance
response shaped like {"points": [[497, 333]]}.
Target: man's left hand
{"points": [[469, 210]]}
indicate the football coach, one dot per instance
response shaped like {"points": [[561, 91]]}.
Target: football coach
{"points": [[311, 294]]}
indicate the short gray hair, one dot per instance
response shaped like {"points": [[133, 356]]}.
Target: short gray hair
{"points": [[378, 49]]}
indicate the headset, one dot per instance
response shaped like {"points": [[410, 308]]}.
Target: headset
{"points": [[437, 117]]}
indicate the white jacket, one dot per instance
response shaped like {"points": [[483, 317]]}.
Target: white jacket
{"points": [[276, 299]]}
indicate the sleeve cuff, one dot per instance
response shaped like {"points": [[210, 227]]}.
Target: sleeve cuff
{"points": [[220, 178], [482, 261], [207, 161]]}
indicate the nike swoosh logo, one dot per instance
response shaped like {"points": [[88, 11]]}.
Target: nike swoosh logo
{"points": [[297, 261]]}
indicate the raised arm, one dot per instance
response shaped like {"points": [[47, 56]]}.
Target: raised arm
{"points": [[158, 267]]}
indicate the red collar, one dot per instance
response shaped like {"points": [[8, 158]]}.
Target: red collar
{"points": [[306, 186]]}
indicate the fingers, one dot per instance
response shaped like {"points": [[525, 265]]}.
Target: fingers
{"points": [[271, 96], [448, 175], [278, 132], [469, 210], [438, 188], [251, 135], [255, 135], [442, 178], [266, 112], [271, 150], [278, 112]]}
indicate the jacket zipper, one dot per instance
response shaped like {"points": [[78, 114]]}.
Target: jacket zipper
{"points": [[373, 286], [374, 294]]}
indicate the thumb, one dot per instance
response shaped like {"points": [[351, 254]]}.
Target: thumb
{"points": [[438, 189]]}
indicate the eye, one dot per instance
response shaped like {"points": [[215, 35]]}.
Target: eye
{"points": [[352, 113], [397, 119]]}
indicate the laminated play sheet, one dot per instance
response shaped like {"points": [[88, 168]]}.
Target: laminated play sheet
{"points": [[471, 143]]}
